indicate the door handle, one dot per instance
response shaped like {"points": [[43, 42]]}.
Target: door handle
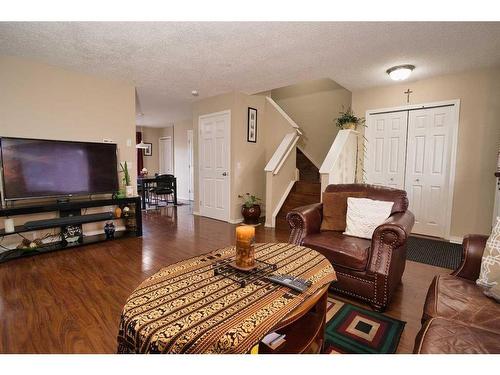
{"points": [[417, 180], [224, 173]]}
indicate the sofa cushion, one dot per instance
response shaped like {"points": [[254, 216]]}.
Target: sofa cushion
{"points": [[340, 250], [459, 299], [335, 209], [444, 336]]}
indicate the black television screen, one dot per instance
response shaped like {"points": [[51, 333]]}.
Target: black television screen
{"points": [[35, 168]]}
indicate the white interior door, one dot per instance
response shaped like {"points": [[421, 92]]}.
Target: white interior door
{"points": [[166, 156], [214, 165], [386, 149], [190, 164], [430, 133]]}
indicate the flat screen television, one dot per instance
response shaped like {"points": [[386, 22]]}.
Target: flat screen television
{"points": [[35, 168]]}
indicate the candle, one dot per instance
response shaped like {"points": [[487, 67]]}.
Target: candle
{"points": [[245, 233], [9, 225], [245, 255]]}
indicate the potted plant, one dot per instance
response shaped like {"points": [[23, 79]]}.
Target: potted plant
{"points": [[250, 208], [129, 189], [347, 120]]}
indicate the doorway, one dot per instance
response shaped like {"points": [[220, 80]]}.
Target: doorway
{"points": [[414, 148], [214, 164], [190, 165]]}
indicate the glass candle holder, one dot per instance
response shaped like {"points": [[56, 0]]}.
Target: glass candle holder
{"points": [[245, 252]]}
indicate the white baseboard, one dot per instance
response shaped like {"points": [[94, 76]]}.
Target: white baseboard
{"points": [[196, 213], [456, 239]]}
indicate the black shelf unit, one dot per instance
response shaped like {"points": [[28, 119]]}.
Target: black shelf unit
{"points": [[71, 206]]}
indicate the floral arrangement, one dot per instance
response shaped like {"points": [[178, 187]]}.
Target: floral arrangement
{"points": [[249, 200], [126, 175], [348, 117]]}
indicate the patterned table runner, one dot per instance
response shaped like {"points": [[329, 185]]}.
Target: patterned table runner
{"points": [[185, 308]]}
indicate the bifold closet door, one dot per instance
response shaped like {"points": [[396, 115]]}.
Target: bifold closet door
{"points": [[386, 149], [428, 168]]}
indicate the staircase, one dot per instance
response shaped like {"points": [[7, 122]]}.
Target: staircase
{"points": [[305, 191]]}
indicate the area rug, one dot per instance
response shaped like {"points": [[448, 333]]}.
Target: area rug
{"points": [[434, 252], [353, 330]]}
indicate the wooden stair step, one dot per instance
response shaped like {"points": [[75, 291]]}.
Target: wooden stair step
{"points": [[307, 187]]}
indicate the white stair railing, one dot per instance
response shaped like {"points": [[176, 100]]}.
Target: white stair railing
{"points": [[281, 170], [339, 166]]}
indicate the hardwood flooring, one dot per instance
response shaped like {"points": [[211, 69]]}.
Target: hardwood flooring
{"points": [[70, 301]]}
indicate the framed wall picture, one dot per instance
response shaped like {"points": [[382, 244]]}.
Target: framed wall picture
{"points": [[252, 125], [148, 151]]}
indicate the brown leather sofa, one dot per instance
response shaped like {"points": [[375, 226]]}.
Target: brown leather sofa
{"points": [[369, 270], [458, 317]]}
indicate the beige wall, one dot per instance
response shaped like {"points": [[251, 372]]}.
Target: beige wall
{"points": [[151, 135], [314, 106], [478, 138], [181, 157], [43, 101]]}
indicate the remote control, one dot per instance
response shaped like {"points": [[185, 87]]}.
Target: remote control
{"points": [[295, 283]]}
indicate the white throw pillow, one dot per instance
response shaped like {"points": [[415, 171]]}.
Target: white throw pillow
{"points": [[489, 276], [365, 215]]}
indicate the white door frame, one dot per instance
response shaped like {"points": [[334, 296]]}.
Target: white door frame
{"points": [[229, 171], [454, 145], [191, 165], [160, 153]]}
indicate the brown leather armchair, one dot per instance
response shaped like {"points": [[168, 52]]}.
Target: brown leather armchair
{"points": [[369, 270]]}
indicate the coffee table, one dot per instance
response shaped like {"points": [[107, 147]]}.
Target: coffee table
{"points": [[189, 308]]}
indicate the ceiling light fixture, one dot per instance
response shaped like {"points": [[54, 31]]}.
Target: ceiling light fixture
{"points": [[194, 93], [400, 72], [141, 144]]}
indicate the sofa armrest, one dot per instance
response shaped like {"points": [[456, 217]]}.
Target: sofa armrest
{"points": [[394, 231], [473, 247], [304, 220], [388, 255]]}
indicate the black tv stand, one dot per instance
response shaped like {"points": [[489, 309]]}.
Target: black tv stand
{"points": [[133, 221]]}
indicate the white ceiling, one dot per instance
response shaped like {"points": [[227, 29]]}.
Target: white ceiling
{"points": [[166, 60]]}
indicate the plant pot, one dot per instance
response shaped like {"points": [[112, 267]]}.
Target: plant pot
{"points": [[350, 125], [251, 215], [129, 191]]}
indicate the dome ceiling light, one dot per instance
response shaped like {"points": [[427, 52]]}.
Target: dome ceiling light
{"points": [[400, 72]]}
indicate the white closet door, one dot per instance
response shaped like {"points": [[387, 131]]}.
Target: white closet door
{"points": [[428, 167], [386, 149]]}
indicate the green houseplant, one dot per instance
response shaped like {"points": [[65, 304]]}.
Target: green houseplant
{"points": [[129, 189], [347, 119], [250, 208]]}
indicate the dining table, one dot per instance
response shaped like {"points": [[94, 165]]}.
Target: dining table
{"points": [[146, 183]]}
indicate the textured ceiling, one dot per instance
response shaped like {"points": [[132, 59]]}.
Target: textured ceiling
{"points": [[166, 60]]}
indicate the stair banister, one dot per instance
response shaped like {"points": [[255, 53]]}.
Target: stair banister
{"points": [[339, 166]]}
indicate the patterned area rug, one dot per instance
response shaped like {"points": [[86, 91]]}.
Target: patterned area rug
{"points": [[434, 252], [353, 330]]}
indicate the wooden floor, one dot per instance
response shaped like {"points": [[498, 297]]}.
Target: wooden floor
{"points": [[70, 301]]}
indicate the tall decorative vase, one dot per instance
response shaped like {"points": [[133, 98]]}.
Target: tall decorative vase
{"points": [[350, 126]]}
